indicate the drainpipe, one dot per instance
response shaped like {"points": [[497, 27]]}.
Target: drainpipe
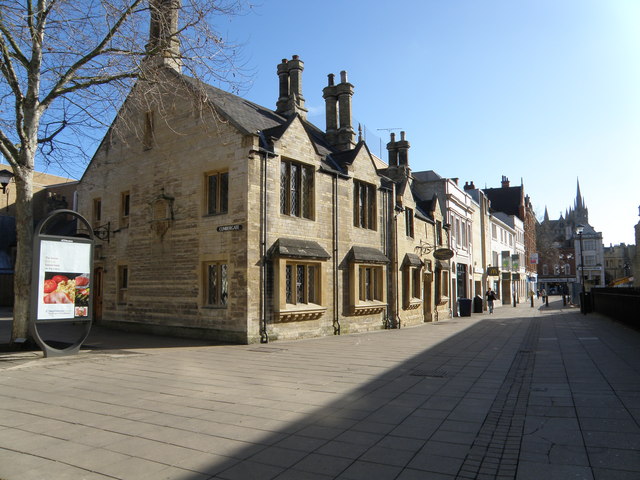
{"points": [[336, 317], [264, 154], [395, 211], [386, 248], [396, 321]]}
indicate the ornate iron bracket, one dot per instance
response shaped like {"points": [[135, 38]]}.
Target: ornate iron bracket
{"points": [[103, 232]]}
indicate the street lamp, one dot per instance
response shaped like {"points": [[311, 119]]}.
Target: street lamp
{"points": [[5, 178], [579, 231]]}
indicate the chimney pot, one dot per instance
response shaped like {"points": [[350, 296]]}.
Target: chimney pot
{"points": [[331, 77], [343, 76]]}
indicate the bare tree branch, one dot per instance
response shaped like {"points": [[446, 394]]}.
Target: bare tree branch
{"points": [[59, 89], [66, 67]]}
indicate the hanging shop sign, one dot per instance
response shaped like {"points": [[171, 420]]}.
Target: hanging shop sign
{"points": [[443, 254], [506, 260], [515, 261], [493, 271]]}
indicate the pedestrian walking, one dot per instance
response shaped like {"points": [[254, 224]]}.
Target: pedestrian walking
{"points": [[543, 293], [491, 297], [531, 294]]}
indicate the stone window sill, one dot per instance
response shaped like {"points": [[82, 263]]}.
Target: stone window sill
{"points": [[298, 313], [413, 304], [368, 308]]}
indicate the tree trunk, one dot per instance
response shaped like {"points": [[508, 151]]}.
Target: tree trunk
{"points": [[24, 257]]}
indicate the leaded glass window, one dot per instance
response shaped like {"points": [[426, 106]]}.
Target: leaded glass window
{"points": [[296, 189], [217, 286]]}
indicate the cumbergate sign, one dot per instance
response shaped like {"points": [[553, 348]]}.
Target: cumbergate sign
{"points": [[230, 228]]}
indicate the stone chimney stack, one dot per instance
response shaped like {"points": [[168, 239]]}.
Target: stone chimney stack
{"points": [[346, 134], [290, 99], [398, 151], [403, 151], [505, 182], [340, 132], [392, 147], [330, 95], [469, 186], [163, 48]]}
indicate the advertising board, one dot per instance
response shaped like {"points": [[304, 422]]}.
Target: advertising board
{"points": [[64, 279]]}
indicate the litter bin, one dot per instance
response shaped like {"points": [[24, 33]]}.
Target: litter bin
{"points": [[588, 303], [464, 305], [477, 304]]}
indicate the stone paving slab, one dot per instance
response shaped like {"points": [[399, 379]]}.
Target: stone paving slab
{"points": [[524, 393]]}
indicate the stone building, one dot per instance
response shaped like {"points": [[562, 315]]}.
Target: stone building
{"points": [[224, 219], [514, 202], [457, 210]]}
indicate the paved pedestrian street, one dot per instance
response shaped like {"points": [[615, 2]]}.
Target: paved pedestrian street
{"points": [[524, 393]]}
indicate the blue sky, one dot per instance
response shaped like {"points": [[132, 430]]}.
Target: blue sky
{"points": [[547, 91]]}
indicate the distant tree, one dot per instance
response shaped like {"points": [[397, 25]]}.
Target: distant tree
{"points": [[66, 67]]}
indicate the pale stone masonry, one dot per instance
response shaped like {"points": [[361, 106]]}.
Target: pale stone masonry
{"points": [[231, 221]]}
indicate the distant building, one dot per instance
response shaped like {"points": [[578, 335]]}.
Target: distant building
{"points": [[515, 209], [50, 192], [560, 267], [619, 264]]}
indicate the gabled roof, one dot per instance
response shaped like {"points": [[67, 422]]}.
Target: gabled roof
{"points": [[425, 207], [507, 200], [250, 118], [247, 116]]}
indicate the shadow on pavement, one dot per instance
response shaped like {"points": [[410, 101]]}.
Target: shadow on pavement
{"points": [[438, 413]]}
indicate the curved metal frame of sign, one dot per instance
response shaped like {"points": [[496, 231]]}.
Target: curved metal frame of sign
{"points": [[48, 350]]}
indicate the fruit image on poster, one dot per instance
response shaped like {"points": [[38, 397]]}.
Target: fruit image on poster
{"points": [[64, 280]]}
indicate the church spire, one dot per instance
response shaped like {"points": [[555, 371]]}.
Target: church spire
{"points": [[581, 211], [579, 199], [546, 214]]}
